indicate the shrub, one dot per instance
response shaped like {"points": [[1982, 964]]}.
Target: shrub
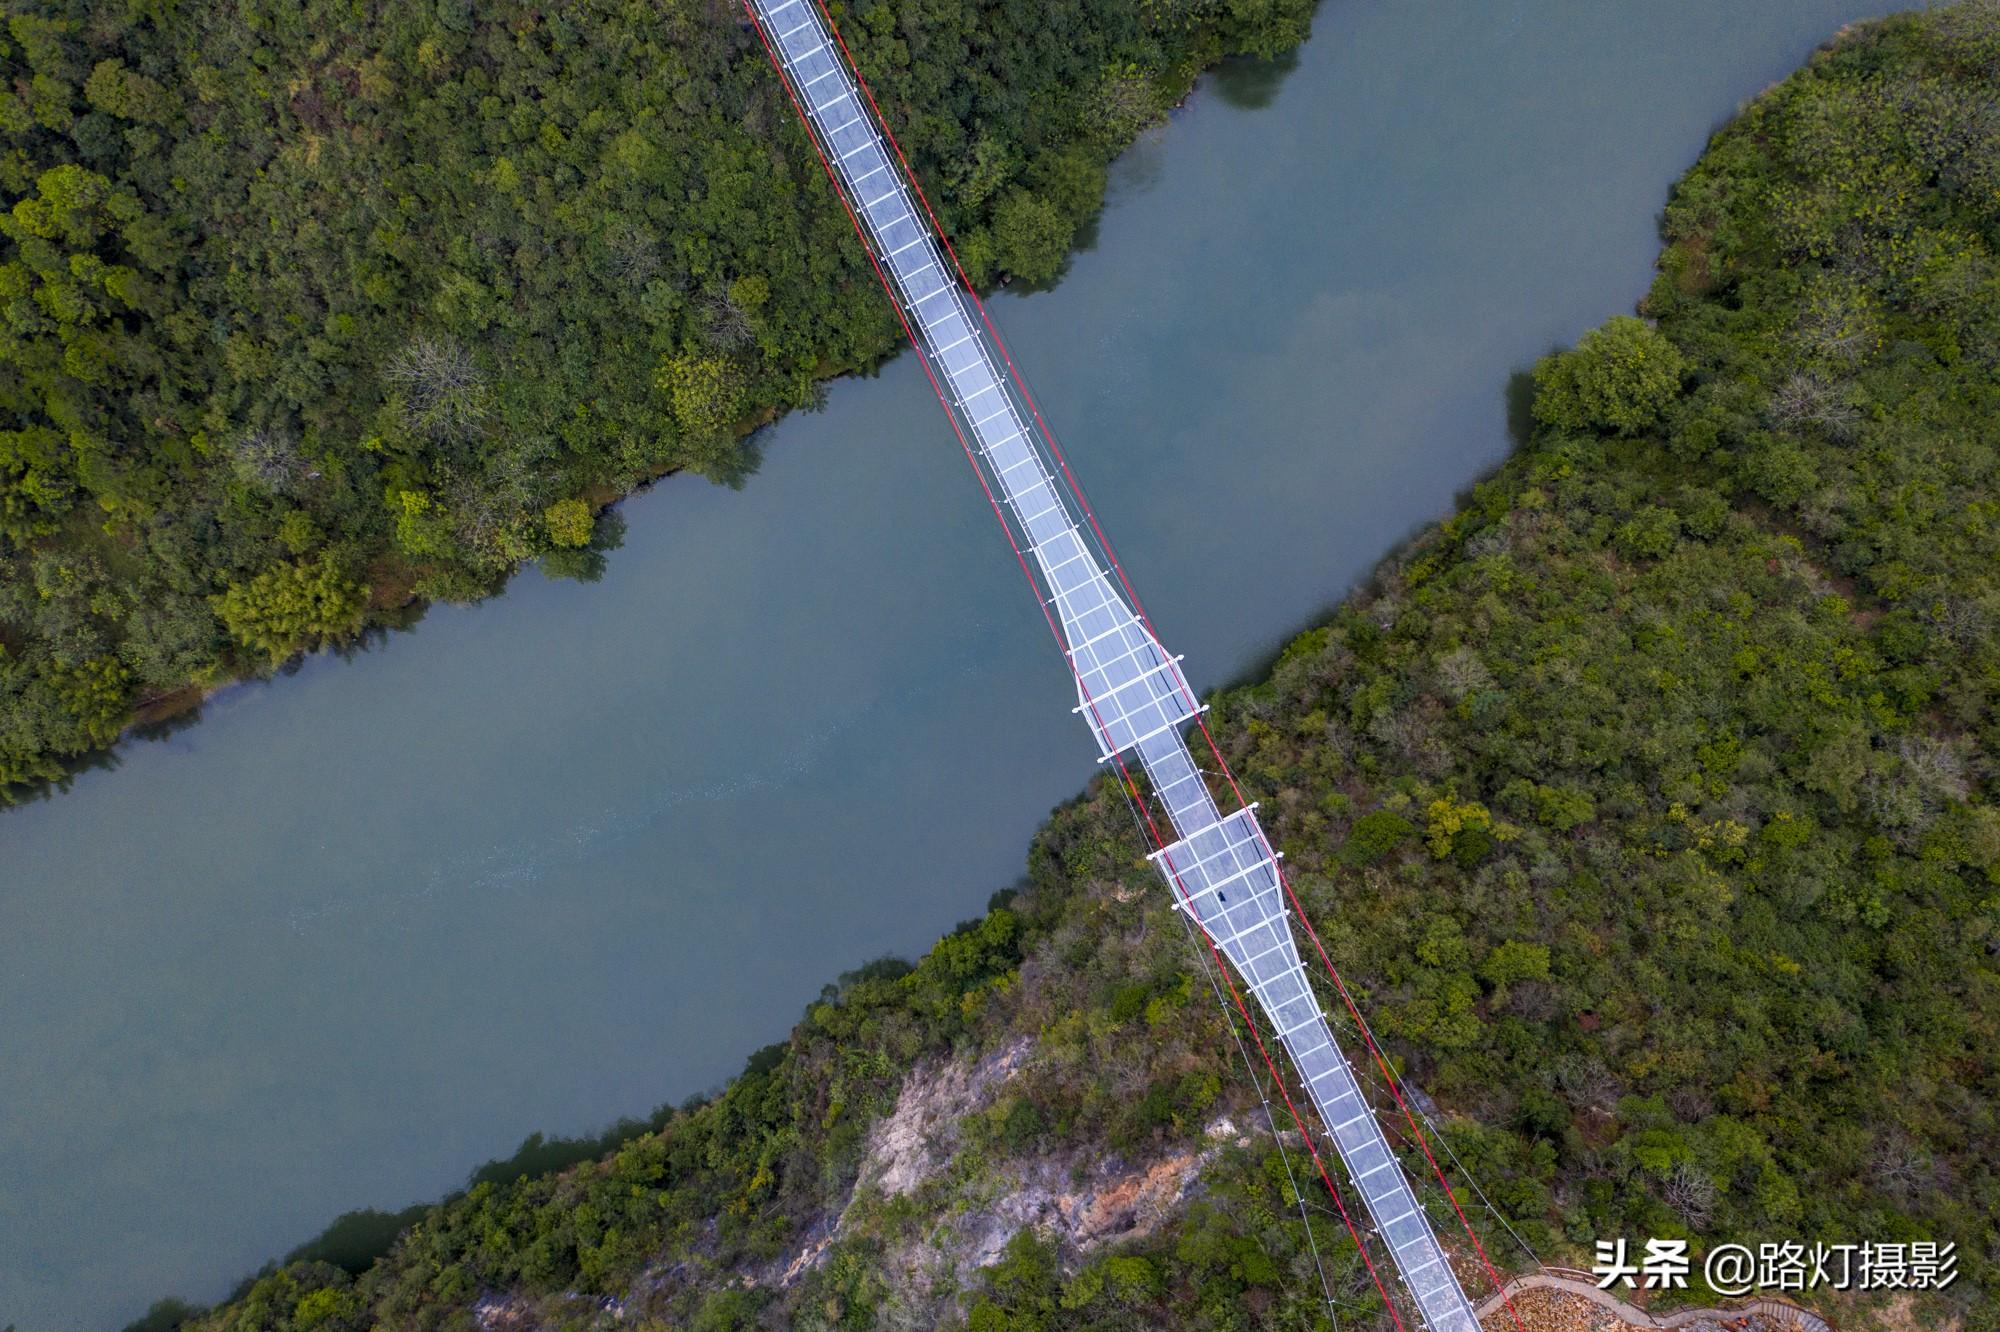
{"points": [[1376, 835], [569, 523]]}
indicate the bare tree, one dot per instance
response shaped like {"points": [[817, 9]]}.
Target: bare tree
{"points": [[634, 255], [1937, 767], [1838, 325], [1460, 672], [1690, 1192], [445, 395], [1587, 1083], [725, 323], [1412, 734], [1536, 1001], [1811, 398], [1898, 805], [1907, 794], [1901, 1167], [270, 458], [1690, 1104], [1961, 621], [1125, 103], [1494, 539]]}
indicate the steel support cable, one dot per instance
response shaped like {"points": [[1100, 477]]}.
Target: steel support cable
{"points": [[1465, 1172], [1138, 606], [1444, 1141], [1263, 1097], [1160, 844], [1368, 1038], [1020, 383], [1305, 1204], [805, 121], [1269, 1063], [1362, 1074], [1153, 831], [922, 358]]}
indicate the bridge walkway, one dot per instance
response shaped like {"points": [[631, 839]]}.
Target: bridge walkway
{"points": [[1130, 690]]}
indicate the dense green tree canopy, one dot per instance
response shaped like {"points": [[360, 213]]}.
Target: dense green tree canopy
{"points": [[386, 282]]}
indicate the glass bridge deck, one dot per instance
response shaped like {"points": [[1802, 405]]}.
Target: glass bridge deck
{"points": [[1130, 691]]}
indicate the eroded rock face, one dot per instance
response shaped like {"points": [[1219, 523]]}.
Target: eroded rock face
{"points": [[1083, 1203], [913, 1145], [1127, 1205], [1080, 1199], [906, 1148]]}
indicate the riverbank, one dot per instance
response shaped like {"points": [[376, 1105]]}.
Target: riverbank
{"points": [[1634, 802]]}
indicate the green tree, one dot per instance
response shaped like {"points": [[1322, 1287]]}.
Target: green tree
{"points": [[1031, 237], [94, 693], [1649, 534], [127, 93], [1618, 378], [36, 486], [569, 523], [1376, 835], [703, 393], [291, 606], [1515, 960]]}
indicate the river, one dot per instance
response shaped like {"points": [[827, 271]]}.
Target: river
{"points": [[575, 852]]}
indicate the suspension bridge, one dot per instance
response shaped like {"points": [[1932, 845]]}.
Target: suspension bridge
{"points": [[1226, 878]]}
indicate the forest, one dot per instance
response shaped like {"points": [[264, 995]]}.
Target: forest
{"points": [[1646, 803], [313, 312]]}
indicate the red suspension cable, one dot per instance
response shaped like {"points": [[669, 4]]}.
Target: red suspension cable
{"points": [[1138, 607], [1396, 1091], [896, 305], [1014, 373], [1110, 554], [1277, 1080], [1124, 775]]}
